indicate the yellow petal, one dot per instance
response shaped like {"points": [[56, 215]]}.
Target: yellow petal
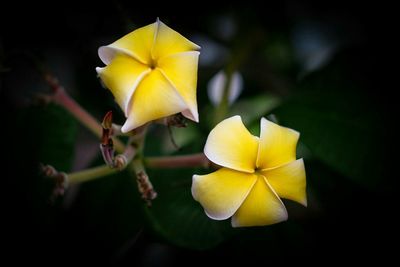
{"points": [[277, 145], [153, 99], [231, 145], [261, 207], [169, 42], [181, 70], [122, 76], [289, 181], [222, 192], [137, 44]]}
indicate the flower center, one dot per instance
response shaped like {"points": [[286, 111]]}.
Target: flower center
{"points": [[152, 64], [257, 170]]}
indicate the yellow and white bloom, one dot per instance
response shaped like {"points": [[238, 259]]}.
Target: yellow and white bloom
{"points": [[152, 73], [255, 174]]}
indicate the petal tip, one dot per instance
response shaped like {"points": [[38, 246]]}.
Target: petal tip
{"points": [[197, 48], [105, 54], [285, 216], [131, 124], [193, 189], [128, 126], [234, 223], [233, 118], [191, 114], [236, 117], [215, 216], [99, 70], [265, 121], [195, 116]]}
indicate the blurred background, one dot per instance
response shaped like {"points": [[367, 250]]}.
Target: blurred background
{"points": [[314, 67]]}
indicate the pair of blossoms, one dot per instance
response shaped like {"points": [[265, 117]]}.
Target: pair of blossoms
{"points": [[152, 73]]}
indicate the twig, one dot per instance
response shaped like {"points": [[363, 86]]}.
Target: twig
{"points": [[186, 161]]}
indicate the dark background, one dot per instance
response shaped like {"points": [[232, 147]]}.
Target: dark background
{"points": [[349, 217]]}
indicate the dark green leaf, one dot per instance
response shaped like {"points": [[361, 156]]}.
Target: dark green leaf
{"points": [[252, 109], [177, 217], [110, 209], [339, 128], [52, 132]]}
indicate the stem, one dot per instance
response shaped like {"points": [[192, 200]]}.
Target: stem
{"points": [[137, 166], [186, 161], [240, 54], [145, 186], [61, 97], [90, 174], [121, 162]]}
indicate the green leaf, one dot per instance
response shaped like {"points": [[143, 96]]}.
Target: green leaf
{"points": [[110, 209], [43, 134], [252, 109], [51, 131], [339, 128], [174, 215], [182, 136], [177, 217]]}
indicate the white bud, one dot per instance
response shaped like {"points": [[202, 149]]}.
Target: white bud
{"points": [[217, 85]]}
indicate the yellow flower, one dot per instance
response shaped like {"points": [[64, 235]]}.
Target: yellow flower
{"points": [[152, 73], [255, 173]]}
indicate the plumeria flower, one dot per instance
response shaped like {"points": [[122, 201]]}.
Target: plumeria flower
{"points": [[216, 87], [255, 174], [152, 73]]}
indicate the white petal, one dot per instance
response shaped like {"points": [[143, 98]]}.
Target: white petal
{"points": [[217, 84]]}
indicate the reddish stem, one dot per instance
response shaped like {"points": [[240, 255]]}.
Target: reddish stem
{"points": [[188, 161], [61, 97]]}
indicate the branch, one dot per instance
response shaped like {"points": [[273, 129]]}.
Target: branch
{"points": [[90, 174], [145, 186], [61, 97], [186, 161]]}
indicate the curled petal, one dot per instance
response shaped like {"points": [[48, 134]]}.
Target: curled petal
{"points": [[122, 76], [136, 44], [231, 145], [168, 41], [153, 99], [222, 192], [261, 207], [289, 181], [277, 145], [181, 70]]}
